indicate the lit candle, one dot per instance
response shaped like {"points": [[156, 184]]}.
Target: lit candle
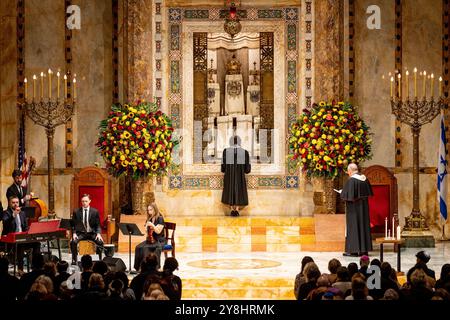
{"points": [[385, 228], [399, 236], [57, 91], [407, 84], [415, 82], [389, 234], [432, 85], [49, 83], [26, 88], [399, 86], [424, 89], [65, 86], [42, 85], [393, 227], [34, 86], [392, 86], [440, 86], [74, 88]]}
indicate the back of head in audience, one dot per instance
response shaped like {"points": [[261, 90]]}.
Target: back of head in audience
{"points": [[333, 265], [364, 261], [418, 278], [352, 269], [445, 273], [359, 288], [305, 261], [170, 264], [100, 267], [390, 294], [312, 272], [423, 256], [375, 262], [323, 281], [62, 266], [386, 270], [96, 282], [50, 269], [150, 263], [86, 262], [342, 274], [37, 261], [46, 281]]}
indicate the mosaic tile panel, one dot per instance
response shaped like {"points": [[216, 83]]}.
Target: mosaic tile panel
{"points": [[270, 14], [175, 182], [270, 182], [196, 14], [292, 36], [196, 183], [292, 76], [292, 182]]}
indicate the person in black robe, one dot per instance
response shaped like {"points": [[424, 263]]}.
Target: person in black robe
{"points": [[355, 193], [235, 164]]}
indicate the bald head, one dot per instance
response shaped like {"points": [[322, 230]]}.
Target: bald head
{"points": [[352, 168]]}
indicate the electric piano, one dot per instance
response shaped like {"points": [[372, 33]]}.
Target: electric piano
{"points": [[38, 232]]}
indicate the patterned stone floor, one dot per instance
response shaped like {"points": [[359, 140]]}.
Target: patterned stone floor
{"points": [[267, 275]]}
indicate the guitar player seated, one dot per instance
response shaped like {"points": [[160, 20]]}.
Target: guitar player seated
{"points": [[14, 220]]}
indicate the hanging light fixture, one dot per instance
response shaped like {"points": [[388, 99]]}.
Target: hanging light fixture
{"points": [[232, 25]]}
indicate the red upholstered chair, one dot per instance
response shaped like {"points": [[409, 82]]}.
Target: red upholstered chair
{"points": [[95, 182], [384, 203]]}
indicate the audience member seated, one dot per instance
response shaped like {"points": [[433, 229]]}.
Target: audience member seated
{"points": [[423, 258], [27, 280], [86, 267], [323, 283], [95, 290], [352, 269], [8, 284], [390, 294], [171, 283], [312, 273], [100, 267], [386, 282], [417, 290], [364, 263], [333, 265], [359, 289], [115, 290], [441, 294], [61, 276], [37, 292], [148, 269], [444, 280], [48, 284], [343, 282], [50, 270], [154, 292], [375, 262], [300, 277]]}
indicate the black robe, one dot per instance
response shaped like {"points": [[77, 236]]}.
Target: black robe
{"points": [[355, 194], [235, 164]]}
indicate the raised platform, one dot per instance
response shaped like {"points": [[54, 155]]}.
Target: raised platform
{"points": [[250, 234]]}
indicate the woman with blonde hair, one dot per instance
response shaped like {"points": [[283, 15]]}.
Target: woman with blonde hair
{"points": [[154, 226]]}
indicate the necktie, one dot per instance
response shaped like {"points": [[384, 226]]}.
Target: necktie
{"points": [[18, 224], [85, 219]]}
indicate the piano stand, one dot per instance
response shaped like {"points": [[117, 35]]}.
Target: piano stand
{"points": [[49, 252]]}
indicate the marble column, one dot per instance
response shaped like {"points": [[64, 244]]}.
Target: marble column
{"points": [[8, 93], [329, 24], [138, 18]]}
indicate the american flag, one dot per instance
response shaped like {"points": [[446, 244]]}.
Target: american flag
{"points": [[22, 154]]}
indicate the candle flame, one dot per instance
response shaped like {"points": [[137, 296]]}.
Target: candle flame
{"points": [[42, 74], [407, 72], [432, 75], [440, 78], [65, 77], [49, 71], [392, 79], [424, 73], [74, 80], [415, 70], [399, 75], [57, 74], [34, 77], [25, 80]]}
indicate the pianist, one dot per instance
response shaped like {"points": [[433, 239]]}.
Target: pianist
{"points": [[15, 220]]}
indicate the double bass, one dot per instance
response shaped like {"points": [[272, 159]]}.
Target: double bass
{"points": [[41, 209]]}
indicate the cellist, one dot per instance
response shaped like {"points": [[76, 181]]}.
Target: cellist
{"points": [[155, 241]]}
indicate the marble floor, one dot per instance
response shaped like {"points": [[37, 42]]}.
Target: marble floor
{"points": [[268, 275]]}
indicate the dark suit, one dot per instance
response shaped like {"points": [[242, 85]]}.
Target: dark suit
{"points": [[13, 191], [79, 228], [10, 225]]}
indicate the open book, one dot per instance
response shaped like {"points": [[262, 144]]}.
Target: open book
{"points": [[338, 191]]}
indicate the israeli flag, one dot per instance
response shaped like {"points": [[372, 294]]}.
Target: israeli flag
{"points": [[442, 172]]}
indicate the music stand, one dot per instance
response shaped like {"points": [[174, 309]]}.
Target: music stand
{"points": [[130, 229], [66, 224]]}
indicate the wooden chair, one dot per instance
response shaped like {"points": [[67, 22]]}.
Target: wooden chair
{"points": [[169, 232], [95, 182], [384, 203]]}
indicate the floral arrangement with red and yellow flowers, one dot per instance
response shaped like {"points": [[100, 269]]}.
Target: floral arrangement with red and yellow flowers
{"points": [[136, 140], [329, 136]]}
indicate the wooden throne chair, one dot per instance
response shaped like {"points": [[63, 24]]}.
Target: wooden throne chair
{"points": [[95, 182], [384, 203]]}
